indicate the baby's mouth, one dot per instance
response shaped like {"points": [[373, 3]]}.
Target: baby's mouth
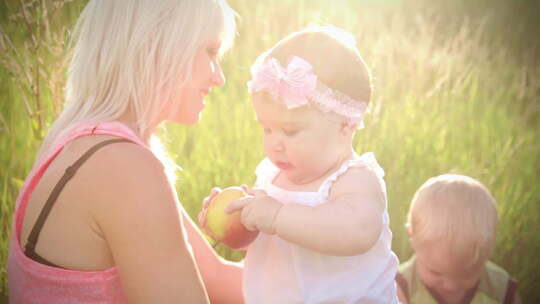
{"points": [[283, 165]]}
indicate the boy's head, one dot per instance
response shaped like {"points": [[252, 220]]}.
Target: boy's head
{"points": [[452, 224]]}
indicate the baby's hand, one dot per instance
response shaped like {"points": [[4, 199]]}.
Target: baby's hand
{"points": [[259, 211]]}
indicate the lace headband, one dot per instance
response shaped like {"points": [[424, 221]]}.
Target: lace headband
{"points": [[297, 85]]}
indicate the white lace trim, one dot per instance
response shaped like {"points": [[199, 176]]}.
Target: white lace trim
{"points": [[329, 100], [266, 171], [366, 160], [296, 85]]}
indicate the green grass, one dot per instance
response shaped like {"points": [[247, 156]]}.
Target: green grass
{"points": [[456, 90]]}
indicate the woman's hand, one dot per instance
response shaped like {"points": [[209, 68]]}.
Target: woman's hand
{"points": [[206, 202], [259, 210]]}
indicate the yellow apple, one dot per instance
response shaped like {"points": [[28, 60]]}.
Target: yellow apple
{"points": [[224, 227]]}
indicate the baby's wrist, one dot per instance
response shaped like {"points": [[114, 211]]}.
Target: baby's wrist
{"points": [[275, 218]]}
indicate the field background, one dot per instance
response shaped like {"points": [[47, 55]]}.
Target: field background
{"points": [[457, 86]]}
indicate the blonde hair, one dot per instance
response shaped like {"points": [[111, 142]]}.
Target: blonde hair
{"points": [[136, 55], [456, 211], [334, 56]]}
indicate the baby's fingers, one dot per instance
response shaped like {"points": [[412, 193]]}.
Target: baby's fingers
{"points": [[246, 189], [254, 191], [258, 192], [238, 205], [246, 219]]}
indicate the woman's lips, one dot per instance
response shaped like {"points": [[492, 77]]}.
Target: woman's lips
{"points": [[283, 165]]}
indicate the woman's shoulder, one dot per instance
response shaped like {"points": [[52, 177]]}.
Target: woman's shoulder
{"points": [[119, 170], [127, 156], [127, 184], [130, 156]]}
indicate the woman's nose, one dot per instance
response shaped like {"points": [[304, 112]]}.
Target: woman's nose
{"points": [[218, 78]]}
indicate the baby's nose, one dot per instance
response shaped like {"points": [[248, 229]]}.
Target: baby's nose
{"points": [[278, 146]]}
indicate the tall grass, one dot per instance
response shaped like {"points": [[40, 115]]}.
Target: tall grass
{"points": [[456, 90]]}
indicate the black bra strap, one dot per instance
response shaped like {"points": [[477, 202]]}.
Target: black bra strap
{"points": [[70, 172], [511, 289], [36, 257]]}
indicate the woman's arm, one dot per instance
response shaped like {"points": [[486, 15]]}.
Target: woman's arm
{"points": [[140, 218], [223, 279]]}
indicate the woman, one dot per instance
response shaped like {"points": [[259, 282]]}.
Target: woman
{"points": [[98, 220]]}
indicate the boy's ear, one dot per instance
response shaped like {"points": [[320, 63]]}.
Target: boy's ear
{"points": [[410, 235], [409, 231]]}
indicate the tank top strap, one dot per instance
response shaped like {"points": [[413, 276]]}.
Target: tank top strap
{"points": [[366, 160], [112, 128], [69, 173]]}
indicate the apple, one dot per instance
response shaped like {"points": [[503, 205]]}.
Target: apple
{"points": [[224, 227]]}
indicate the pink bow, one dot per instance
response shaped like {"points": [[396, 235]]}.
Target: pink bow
{"points": [[292, 85]]}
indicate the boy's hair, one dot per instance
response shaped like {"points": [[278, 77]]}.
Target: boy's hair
{"points": [[457, 212], [333, 54]]}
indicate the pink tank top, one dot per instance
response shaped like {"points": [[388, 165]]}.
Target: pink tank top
{"points": [[33, 282]]}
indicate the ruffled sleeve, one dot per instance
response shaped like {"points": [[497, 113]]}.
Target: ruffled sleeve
{"points": [[366, 160]]}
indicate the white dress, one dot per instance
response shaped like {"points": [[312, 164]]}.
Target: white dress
{"points": [[280, 272]]}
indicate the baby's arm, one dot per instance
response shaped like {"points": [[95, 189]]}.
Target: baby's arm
{"points": [[349, 224]]}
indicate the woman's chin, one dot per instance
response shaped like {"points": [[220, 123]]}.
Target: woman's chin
{"points": [[188, 121]]}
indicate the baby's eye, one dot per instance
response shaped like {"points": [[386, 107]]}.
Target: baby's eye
{"points": [[291, 132]]}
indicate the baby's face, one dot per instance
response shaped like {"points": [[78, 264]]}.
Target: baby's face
{"points": [[303, 142], [448, 276]]}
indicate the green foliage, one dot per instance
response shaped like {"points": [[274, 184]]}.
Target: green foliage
{"points": [[456, 90]]}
